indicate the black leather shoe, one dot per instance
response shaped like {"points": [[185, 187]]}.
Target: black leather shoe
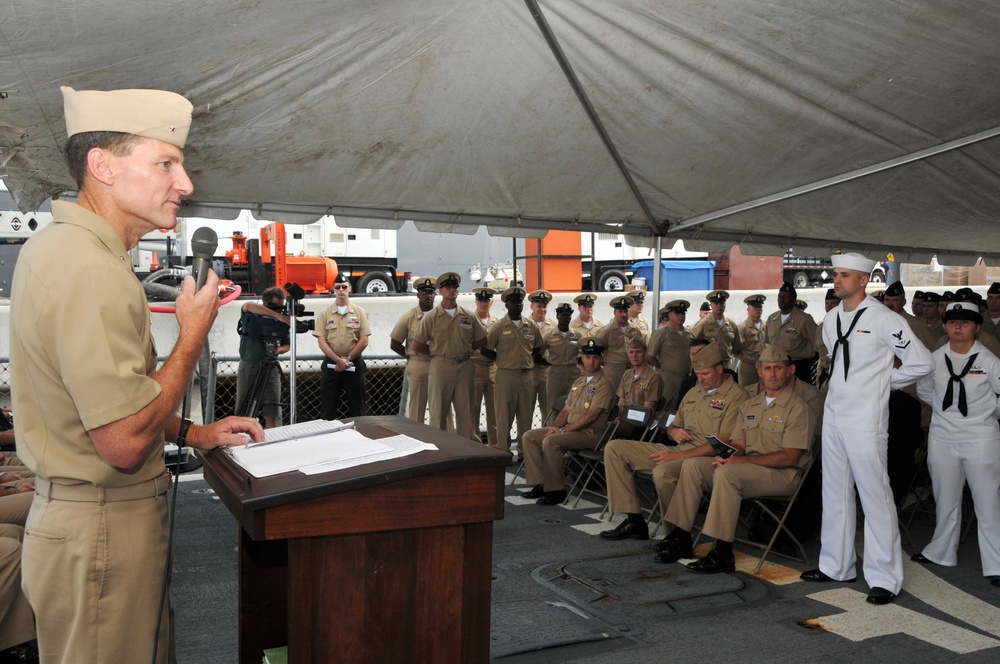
{"points": [[880, 596], [817, 576], [995, 580], [679, 547], [664, 543], [713, 563], [537, 491], [627, 530], [551, 498], [920, 558]]}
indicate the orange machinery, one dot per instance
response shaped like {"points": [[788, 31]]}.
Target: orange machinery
{"points": [[554, 262], [315, 274]]}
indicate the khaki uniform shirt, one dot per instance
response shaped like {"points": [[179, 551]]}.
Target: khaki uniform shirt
{"points": [[561, 350], [477, 356], [725, 332], [639, 388], [937, 330], [921, 331], [583, 332], [81, 349], [753, 341], [542, 371], [643, 325], [583, 396], [514, 344], [615, 341], [450, 337], [797, 335], [672, 349], [786, 423], [704, 414], [342, 330], [406, 329], [813, 397]]}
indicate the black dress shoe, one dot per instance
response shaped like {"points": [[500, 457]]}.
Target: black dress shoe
{"points": [[679, 547], [536, 491], [995, 580], [664, 543], [713, 563], [920, 558], [627, 530], [880, 596], [817, 576], [551, 498]]}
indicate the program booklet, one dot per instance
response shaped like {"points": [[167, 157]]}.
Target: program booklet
{"points": [[724, 450]]}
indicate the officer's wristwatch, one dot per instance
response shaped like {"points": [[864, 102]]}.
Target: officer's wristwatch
{"points": [[562, 429]]}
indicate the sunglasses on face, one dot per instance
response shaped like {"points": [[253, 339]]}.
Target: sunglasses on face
{"points": [[340, 287]]}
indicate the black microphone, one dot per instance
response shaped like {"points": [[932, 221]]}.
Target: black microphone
{"points": [[204, 242]]}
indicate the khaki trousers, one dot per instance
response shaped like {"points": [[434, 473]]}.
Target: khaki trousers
{"points": [[417, 373], [14, 508], [92, 574], [543, 455], [540, 393], [561, 378], [17, 623], [485, 391], [729, 485], [515, 398], [622, 458], [451, 385]]}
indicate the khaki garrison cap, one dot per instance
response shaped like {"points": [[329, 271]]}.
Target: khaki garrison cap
{"points": [[165, 116], [773, 354], [707, 357]]}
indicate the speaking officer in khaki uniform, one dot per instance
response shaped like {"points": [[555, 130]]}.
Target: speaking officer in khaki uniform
{"points": [[716, 327], [710, 408], [773, 434], [539, 300], [585, 325], [342, 332], [514, 343], [485, 371], [752, 333], [615, 336], [635, 313], [577, 427], [401, 342], [92, 408], [793, 331], [449, 333], [562, 352], [669, 349]]}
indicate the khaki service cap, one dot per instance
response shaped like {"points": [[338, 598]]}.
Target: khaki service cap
{"points": [[514, 292], [717, 296], [450, 279], [484, 293], [425, 284]]}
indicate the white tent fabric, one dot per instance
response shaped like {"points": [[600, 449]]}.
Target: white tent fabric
{"points": [[456, 112]]}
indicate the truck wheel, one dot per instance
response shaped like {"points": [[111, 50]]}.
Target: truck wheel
{"points": [[800, 280], [612, 280], [878, 277], [376, 282]]}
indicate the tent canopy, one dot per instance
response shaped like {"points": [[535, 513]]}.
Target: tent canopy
{"points": [[707, 120]]}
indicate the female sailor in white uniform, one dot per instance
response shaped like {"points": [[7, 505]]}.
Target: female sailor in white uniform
{"points": [[964, 440]]}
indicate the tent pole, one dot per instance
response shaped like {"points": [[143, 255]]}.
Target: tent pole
{"points": [[657, 286]]}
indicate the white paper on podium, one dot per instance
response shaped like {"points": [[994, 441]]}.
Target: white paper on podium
{"points": [[400, 445], [301, 453]]}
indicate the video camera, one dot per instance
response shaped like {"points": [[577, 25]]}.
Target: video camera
{"points": [[256, 326]]}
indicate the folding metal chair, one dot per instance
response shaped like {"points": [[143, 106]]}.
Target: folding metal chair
{"points": [[761, 503], [557, 405], [659, 425]]}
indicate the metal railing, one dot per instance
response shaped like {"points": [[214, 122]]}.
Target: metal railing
{"points": [[383, 386]]}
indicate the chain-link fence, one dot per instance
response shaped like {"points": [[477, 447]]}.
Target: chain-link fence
{"points": [[383, 387]]}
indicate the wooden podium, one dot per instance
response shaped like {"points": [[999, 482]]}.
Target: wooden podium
{"points": [[384, 562]]}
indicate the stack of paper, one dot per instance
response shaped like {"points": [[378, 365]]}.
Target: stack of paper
{"points": [[299, 453]]}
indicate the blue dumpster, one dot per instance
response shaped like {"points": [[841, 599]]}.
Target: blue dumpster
{"points": [[678, 275]]}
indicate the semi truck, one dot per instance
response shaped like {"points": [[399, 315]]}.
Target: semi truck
{"points": [[814, 272]]}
